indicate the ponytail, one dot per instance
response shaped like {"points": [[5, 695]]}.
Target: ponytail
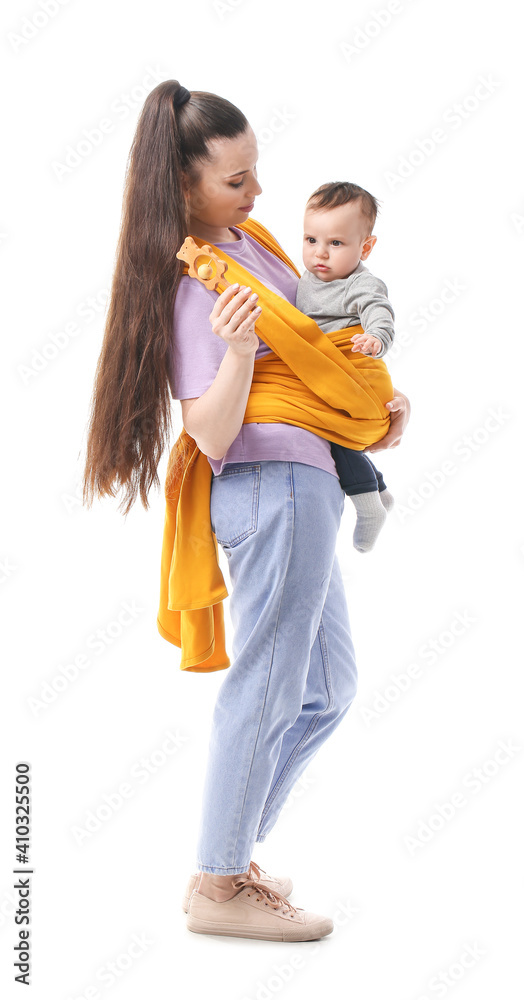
{"points": [[130, 417]]}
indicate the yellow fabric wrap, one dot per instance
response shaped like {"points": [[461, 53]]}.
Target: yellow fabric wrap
{"points": [[310, 379]]}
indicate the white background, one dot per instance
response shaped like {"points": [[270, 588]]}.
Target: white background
{"points": [[404, 911]]}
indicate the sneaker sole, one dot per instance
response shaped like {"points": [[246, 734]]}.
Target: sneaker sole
{"points": [[288, 933]]}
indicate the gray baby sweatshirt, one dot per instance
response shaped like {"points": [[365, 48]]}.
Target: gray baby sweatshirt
{"points": [[359, 298]]}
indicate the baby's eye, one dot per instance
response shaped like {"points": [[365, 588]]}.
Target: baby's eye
{"points": [[336, 241], [309, 238]]}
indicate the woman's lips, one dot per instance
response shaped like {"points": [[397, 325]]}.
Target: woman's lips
{"points": [[247, 208]]}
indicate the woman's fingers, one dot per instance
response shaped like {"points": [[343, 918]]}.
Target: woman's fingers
{"points": [[244, 310], [222, 300], [231, 306], [399, 409], [233, 318], [395, 404], [234, 301]]}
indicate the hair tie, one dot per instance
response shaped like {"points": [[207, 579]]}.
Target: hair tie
{"points": [[182, 95]]}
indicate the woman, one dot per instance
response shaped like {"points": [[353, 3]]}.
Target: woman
{"points": [[276, 500]]}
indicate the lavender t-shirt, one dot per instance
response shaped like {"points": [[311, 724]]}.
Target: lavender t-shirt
{"points": [[198, 352]]}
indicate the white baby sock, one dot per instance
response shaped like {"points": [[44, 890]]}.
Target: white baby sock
{"points": [[387, 499], [371, 515]]}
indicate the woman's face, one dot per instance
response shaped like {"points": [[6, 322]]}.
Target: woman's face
{"points": [[228, 185]]}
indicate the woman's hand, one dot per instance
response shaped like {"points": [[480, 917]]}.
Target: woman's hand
{"points": [[233, 318], [400, 409]]}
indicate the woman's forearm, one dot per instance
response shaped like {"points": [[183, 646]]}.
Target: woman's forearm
{"points": [[216, 417]]}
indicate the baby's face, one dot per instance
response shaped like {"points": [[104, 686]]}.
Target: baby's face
{"points": [[333, 240]]}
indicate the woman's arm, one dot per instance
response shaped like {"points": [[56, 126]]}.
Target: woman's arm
{"points": [[214, 419], [400, 409]]}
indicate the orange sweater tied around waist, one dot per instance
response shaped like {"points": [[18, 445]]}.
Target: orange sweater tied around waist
{"points": [[310, 379]]}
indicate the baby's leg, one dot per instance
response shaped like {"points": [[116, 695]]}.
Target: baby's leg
{"points": [[359, 481], [384, 494]]}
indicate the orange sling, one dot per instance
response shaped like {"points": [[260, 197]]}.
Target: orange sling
{"points": [[310, 379]]}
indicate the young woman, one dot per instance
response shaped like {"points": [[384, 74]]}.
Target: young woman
{"points": [[276, 500]]}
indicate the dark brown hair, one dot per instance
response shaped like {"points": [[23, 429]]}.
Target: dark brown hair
{"points": [[340, 193], [131, 407]]}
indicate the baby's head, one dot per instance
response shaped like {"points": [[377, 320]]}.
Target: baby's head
{"points": [[338, 223]]}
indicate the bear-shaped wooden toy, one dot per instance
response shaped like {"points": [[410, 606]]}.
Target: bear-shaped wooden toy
{"points": [[204, 263]]}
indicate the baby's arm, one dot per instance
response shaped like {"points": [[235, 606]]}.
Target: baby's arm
{"points": [[367, 296]]}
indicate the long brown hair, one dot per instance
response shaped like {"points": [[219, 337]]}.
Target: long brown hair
{"points": [[131, 407]]}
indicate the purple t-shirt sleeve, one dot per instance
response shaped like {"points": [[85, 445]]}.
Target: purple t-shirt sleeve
{"points": [[197, 351]]}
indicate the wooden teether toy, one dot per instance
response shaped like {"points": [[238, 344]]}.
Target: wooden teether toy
{"points": [[204, 263]]}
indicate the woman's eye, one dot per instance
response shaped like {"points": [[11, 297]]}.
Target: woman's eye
{"points": [[242, 181]]}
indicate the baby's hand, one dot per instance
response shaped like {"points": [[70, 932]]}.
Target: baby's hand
{"points": [[366, 344]]}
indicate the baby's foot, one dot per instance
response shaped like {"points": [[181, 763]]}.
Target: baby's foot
{"points": [[387, 499], [371, 515]]}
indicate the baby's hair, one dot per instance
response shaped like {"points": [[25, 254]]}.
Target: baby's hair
{"points": [[341, 193]]}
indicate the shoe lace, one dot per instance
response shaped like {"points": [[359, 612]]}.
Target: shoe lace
{"points": [[270, 896], [256, 869]]}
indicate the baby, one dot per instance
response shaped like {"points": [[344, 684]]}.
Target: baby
{"points": [[337, 291]]}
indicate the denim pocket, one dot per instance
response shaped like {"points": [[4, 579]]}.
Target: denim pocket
{"points": [[234, 503]]}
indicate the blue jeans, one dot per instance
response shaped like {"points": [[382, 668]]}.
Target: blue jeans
{"points": [[292, 676]]}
